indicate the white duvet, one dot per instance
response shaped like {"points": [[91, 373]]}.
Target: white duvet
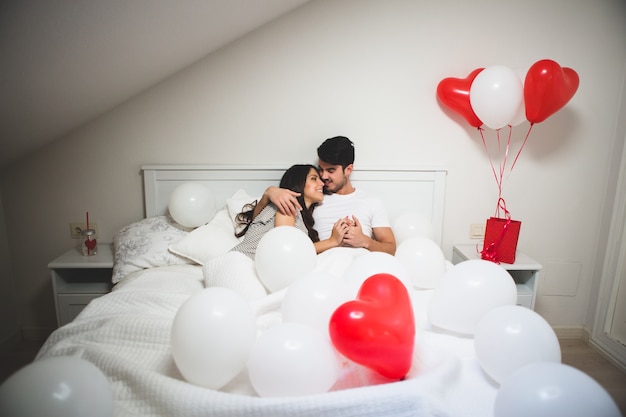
{"points": [[126, 334]]}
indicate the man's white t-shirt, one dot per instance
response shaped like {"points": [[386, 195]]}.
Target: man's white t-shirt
{"points": [[368, 209]]}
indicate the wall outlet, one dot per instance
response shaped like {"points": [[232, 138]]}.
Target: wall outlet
{"points": [[77, 228], [477, 231]]}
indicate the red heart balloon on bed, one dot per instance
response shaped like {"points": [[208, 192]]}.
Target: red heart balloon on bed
{"points": [[547, 88], [455, 94], [377, 329]]}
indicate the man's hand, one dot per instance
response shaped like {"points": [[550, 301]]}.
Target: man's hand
{"points": [[354, 235], [382, 241], [285, 200], [340, 228]]}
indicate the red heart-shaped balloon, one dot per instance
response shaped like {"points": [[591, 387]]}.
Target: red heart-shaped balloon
{"points": [[377, 330], [547, 88], [455, 93]]}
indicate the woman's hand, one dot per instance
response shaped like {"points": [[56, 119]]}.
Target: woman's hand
{"points": [[340, 228]]}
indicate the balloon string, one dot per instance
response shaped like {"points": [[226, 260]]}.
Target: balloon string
{"points": [[506, 152], [499, 174], [502, 205], [493, 169], [503, 164], [530, 128], [499, 178]]}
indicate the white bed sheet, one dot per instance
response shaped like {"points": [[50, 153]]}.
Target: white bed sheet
{"points": [[126, 334]]}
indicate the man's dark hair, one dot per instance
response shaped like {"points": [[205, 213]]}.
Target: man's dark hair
{"points": [[337, 151]]}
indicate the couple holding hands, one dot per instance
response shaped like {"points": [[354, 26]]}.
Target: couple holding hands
{"points": [[322, 202]]}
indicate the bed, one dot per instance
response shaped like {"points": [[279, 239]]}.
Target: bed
{"points": [[126, 333]]}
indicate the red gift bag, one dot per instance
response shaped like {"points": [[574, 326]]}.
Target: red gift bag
{"points": [[501, 240]]}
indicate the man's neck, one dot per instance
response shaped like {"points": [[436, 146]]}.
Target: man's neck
{"points": [[346, 189]]}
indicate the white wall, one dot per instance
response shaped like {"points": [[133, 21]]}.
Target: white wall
{"points": [[369, 70]]}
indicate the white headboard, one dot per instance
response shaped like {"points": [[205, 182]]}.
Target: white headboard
{"points": [[401, 190]]}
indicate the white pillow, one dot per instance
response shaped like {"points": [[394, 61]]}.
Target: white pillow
{"points": [[206, 242], [144, 244], [236, 202]]}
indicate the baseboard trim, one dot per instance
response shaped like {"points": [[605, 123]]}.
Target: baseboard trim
{"points": [[581, 333], [571, 333], [609, 354]]}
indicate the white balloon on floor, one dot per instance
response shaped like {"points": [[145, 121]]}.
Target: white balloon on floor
{"points": [[467, 291], [510, 337], [548, 389], [60, 386]]}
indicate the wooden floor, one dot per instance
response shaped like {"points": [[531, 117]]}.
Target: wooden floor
{"points": [[576, 353], [582, 356]]}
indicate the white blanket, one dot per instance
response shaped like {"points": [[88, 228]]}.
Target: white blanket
{"points": [[126, 334]]}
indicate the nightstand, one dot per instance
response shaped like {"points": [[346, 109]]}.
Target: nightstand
{"points": [[525, 272], [78, 279]]}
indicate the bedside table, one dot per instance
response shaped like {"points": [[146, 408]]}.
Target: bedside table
{"points": [[78, 279], [525, 272]]}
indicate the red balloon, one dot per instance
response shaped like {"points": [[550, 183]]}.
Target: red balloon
{"points": [[455, 94], [547, 88], [377, 330]]}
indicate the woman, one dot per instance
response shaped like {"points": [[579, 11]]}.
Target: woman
{"points": [[305, 180]]}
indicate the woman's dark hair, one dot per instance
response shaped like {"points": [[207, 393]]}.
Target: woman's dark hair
{"points": [[293, 179]]}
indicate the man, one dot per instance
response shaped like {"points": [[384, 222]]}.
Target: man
{"points": [[365, 215]]}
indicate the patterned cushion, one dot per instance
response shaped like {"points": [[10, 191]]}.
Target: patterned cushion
{"points": [[144, 244]]}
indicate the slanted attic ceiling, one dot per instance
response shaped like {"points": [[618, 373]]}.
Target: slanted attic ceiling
{"points": [[64, 62]]}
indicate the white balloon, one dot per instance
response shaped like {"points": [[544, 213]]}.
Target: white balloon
{"points": [[293, 359], [495, 96], [548, 389], [191, 204], [509, 337], [283, 255], [424, 260], [409, 225], [211, 336], [520, 114], [467, 291], [61, 386], [373, 263], [312, 299]]}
